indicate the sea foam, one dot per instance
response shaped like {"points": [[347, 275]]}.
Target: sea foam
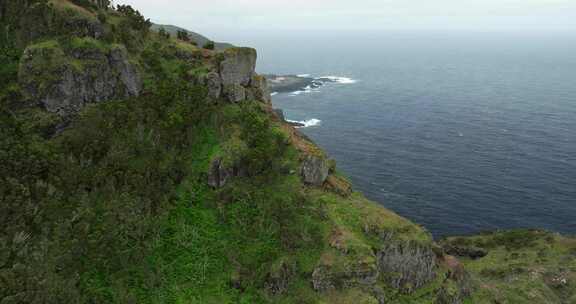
{"points": [[307, 123], [339, 79]]}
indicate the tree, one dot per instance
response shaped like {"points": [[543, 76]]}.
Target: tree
{"points": [[163, 33], [210, 45], [137, 21], [183, 35]]}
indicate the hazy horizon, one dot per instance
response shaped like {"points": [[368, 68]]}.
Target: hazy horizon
{"points": [[222, 19]]}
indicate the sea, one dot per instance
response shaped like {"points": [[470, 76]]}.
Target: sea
{"points": [[460, 132]]}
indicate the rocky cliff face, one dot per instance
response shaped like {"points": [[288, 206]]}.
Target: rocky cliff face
{"points": [[64, 81], [232, 77]]}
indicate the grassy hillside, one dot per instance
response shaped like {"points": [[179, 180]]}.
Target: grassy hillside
{"points": [[132, 172], [520, 266]]}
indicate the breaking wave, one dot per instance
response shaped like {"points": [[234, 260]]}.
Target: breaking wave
{"points": [[338, 79], [306, 123]]}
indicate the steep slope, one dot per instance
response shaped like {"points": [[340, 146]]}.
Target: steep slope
{"points": [[142, 169], [199, 39]]}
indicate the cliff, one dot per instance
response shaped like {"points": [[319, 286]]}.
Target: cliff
{"points": [[138, 168]]}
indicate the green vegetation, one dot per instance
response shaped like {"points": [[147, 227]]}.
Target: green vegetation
{"points": [[522, 266], [114, 204], [209, 45]]}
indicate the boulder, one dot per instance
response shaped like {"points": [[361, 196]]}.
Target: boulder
{"points": [[315, 170]]}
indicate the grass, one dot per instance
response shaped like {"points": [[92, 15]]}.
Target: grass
{"points": [[67, 5], [522, 266]]}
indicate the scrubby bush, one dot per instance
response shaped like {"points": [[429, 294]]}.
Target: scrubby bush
{"points": [[183, 35], [209, 45], [135, 20]]}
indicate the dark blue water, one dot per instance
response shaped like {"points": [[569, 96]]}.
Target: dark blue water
{"points": [[459, 132]]}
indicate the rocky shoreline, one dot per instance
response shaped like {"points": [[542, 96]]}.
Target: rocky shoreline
{"points": [[281, 116], [295, 83]]}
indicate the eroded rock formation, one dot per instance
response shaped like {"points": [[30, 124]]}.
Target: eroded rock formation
{"points": [[64, 82]]}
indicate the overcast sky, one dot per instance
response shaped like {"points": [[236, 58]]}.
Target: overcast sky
{"points": [[213, 16]]}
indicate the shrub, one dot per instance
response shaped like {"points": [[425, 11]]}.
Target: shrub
{"points": [[210, 45]]}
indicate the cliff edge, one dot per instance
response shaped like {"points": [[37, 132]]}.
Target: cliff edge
{"points": [[138, 168]]}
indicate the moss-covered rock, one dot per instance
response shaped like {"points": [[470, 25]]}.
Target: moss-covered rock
{"points": [[64, 80]]}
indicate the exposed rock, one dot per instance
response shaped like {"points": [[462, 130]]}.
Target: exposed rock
{"points": [[465, 251], [64, 83], [214, 85], [356, 272], [129, 76], [406, 266], [237, 67], [280, 114], [279, 277], [231, 77], [234, 92], [322, 280], [260, 89], [293, 83], [315, 170], [218, 174]]}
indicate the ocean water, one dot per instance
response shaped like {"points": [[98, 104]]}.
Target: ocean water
{"points": [[459, 132]]}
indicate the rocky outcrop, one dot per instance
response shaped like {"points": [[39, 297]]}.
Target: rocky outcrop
{"points": [[315, 170], [64, 82], [218, 173], [233, 78], [465, 251], [406, 266], [237, 67], [358, 273]]}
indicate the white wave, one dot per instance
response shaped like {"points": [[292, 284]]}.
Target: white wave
{"points": [[273, 93], [303, 75], [307, 123], [305, 90], [338, 79]]}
